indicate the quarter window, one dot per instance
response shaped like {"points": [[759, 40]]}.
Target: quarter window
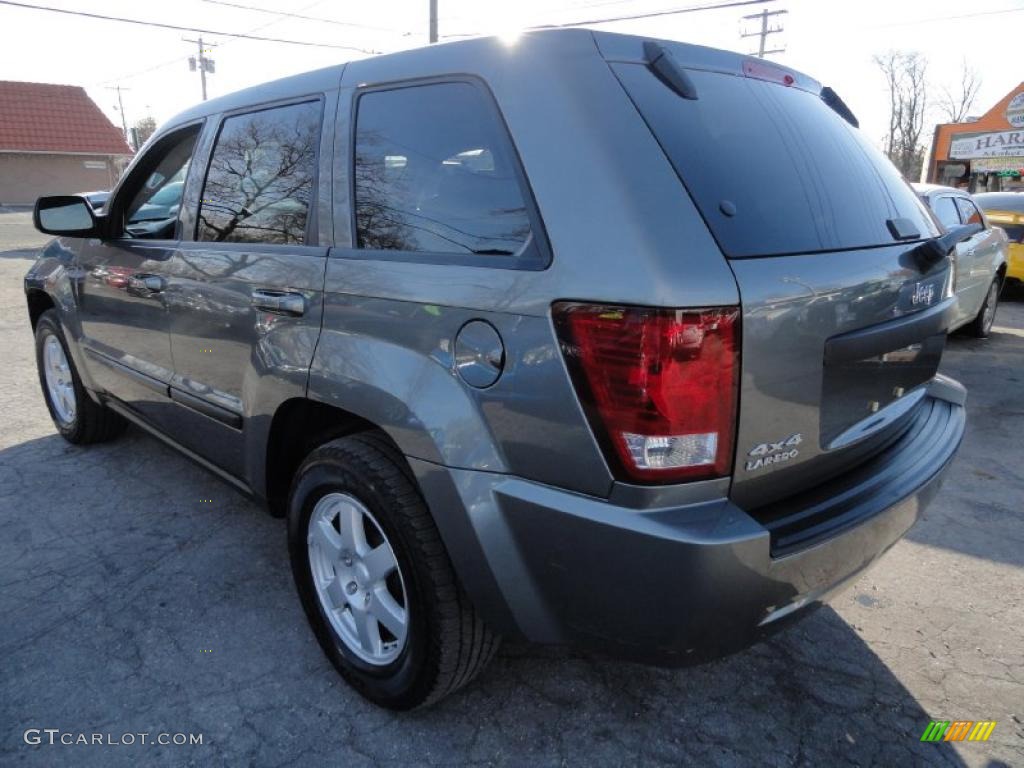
{"points": [[434, 172], [945, 212], [260, 182], [969, 211]]}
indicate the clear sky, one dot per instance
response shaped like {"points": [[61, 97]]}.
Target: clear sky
{"points": [[831, 40]]}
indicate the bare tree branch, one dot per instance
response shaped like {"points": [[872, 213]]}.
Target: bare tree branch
{"points": [[905, 75], [956, 104]]}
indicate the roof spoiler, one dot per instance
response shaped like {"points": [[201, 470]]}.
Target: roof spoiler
{"points": [[831, 98]]}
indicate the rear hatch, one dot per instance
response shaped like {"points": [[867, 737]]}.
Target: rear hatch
{"points": [[842, 325]]}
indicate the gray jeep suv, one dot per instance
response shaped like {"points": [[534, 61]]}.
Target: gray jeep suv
{"points": [[590, 340]]}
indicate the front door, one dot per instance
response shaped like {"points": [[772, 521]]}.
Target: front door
{"points": [[245, 294], [122, 293]]}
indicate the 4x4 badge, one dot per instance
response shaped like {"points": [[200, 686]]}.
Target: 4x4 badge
{"points": [[766, 454]]}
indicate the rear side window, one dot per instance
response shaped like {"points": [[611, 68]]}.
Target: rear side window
{"points": [[969, 213], [434, 172], [946, 212], [260, 181], [772, 169]]}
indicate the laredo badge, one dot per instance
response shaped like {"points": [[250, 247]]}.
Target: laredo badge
{"points": [[766, 454]]}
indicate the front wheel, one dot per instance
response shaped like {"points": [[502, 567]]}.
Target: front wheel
{"points": [[375, 579], [981, 326], [78, 418]]}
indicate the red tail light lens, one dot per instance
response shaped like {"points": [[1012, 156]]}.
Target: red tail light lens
{"points": [[659, 385]]}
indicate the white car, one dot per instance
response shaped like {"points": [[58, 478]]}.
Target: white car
{"points": [[980, 262]]}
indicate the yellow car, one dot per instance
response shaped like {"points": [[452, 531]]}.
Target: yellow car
{"points": [[1006, 210]]}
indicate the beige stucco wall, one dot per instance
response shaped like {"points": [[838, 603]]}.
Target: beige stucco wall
{"points": [[24, 177]]}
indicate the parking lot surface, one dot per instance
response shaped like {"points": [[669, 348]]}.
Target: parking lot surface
{"points": [[131, 604]]}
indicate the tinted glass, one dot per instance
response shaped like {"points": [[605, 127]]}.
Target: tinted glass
{"points": [[945, 211], [1015, 232], [154, 208], [969, 212], [434, 172], [260, 181], [773, 169]]}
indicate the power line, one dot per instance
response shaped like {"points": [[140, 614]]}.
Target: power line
{"points": [[945, 18], [305, 18], [667, 12], [650, 15], [179, 28]]}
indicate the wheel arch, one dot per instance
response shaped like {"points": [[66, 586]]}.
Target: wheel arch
{"points": [[38, 302], [299, 426]]}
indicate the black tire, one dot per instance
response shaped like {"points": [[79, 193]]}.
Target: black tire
{"points": [[981, 326], [447, 643], [92, 423]]}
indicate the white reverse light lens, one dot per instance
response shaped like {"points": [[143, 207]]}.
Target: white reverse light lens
{"points": [[671, 451]]}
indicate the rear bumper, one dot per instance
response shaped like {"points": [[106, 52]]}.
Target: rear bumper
{"points": [[682, 584]]}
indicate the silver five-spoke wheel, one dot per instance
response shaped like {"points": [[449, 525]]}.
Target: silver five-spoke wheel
{"points": [[357, 579], [59, 382]]}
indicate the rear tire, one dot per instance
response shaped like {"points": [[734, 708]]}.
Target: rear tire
{"points": [[981, 326], [442, 644], [78, 418]]}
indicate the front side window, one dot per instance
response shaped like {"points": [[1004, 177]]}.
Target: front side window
{"points": [[435, 173], [945, 212], [260, 181], [152, 213], [969, 211]]}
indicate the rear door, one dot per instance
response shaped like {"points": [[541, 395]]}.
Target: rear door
{"points": [[975, 257], [245, 294], [841, 324], [948, 213]]}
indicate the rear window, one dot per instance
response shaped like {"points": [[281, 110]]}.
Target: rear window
{"points": [[773, 170]]}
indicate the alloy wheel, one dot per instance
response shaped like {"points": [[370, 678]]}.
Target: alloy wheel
{"points": [[59, 382], [357, 579]]}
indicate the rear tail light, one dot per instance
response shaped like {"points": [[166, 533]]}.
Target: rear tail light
{"points": [[659, 385]]}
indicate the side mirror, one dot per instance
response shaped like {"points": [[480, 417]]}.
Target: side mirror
{"points": [[68, 215]]}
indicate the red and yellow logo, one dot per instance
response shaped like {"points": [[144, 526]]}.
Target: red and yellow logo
{"points": [[958, 730]]}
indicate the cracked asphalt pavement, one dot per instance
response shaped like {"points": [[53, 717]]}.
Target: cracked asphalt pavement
{"points": [[128, 605]]}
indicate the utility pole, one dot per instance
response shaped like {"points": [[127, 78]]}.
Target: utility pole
{"points": [[433, 21], [200, 62], [765, 31], [120, 108]]}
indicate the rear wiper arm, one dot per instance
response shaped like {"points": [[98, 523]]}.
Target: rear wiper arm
{"points": [[931, 251], [667, 69]]}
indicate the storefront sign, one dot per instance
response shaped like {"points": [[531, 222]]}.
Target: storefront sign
{"points": [[1015, 111], [1000, 144], [998, 165]]}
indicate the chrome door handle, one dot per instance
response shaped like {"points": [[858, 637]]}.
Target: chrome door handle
{"points": [[281, 302], [144, 282]]}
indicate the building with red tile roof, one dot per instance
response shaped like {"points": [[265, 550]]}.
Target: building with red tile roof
{"points": [[55, 140]]}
